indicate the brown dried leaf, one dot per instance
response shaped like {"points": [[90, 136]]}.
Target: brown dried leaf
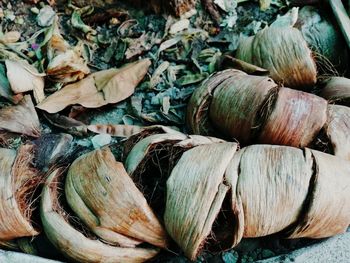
{"points": [[99, 89], [21, 118]]}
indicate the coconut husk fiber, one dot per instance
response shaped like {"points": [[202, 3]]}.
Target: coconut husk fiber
{"points": [[74, 244], [284, 52], [236, 103], [296, 120], [151, 160], [198, 107], [195, 193], [254, 109], [336, 90], [19, 180], [327, 210], [338, 130], [277, 190], [101, 193]]}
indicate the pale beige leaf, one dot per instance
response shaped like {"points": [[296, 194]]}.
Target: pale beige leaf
{"points": [[99, 89]]}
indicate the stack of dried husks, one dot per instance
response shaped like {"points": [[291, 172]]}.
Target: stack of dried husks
{"points": [[258, 109], [175, 186]]}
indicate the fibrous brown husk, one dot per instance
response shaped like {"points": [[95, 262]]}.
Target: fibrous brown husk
{"points": [[21, 118], [337, 129], [296, 119], [273, 183], [72, 243], [99, 89], [198, 106], [19, 181], [327, 209], [337, 89], [195, 193], [284, 52], [272, 189], [101, 193], [236, 103]]}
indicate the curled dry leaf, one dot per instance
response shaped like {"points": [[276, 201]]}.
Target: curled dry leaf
{"points": [[284, 53], [21, 118], [24, 77], [99, 89], [73, 243], [19, 180], [65, 63], [101, 193]]}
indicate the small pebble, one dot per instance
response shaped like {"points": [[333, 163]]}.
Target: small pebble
{"points": [[101, 140]]}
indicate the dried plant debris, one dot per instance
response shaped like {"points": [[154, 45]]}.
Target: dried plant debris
{"points": [[98, 89], [21, 118], [74, 244], [126, 81]]}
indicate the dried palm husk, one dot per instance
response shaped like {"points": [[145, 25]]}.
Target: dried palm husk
{"points": [[338, 130], [21, 118], [326, 214], [198, 106], [273, 184], [296, 119], [24, 77], [284, 52], [325, 40], [19, 181], [65, 63], [337, 90], [237, 102], [195, 193], [73, 243], [99, 89], [145, 132], [139, 153], [101, 193]]}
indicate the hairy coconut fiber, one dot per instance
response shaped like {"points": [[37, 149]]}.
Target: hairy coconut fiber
{"points": [[19, 180], [105, 198], [73, 243], [284, 52], [296, 120], [195, 193], [337, 129], [337, 90], [21, 118], [271, 189]]}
